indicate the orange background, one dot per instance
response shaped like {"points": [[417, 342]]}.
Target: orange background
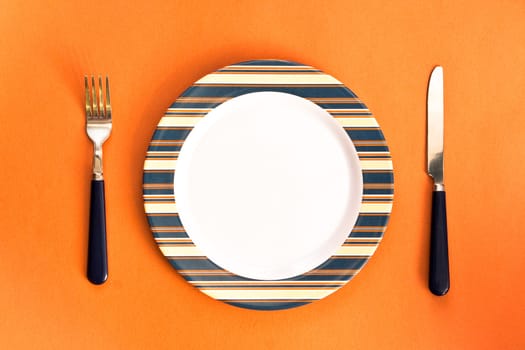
{"points": [[152, 50]]}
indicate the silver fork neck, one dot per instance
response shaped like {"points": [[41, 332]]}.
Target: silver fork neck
{"points": [[97, 162]]}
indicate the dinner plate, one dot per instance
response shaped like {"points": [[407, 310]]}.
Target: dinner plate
{"points": [[268, 184]]}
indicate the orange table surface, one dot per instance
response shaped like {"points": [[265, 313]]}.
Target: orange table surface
{"points": [[152, 50]]}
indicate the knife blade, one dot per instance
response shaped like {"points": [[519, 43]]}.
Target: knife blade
{"points": [[439, 276]]}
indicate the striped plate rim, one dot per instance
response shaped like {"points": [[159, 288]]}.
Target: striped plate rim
{"points": [[193, 105]]}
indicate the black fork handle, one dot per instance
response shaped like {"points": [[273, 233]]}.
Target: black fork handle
{"points": [[97, 266]]}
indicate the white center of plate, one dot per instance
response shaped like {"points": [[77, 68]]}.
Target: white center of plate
{"points": [[268, 185]]}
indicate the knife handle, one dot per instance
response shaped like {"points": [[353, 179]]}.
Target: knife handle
{"points": [[97, 266], [439, 278]]}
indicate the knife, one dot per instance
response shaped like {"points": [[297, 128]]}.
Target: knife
{"points": [[439, 277]]}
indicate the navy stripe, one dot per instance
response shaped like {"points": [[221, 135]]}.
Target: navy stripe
{"points": [[172, 234], [371, 148], [330, 264], [235, 278], [158, 220], [267, 306], [234, 91], [202, 105], [158, 178], [268, 63], [367, 234], [164, 148], [357, 134], [366, 220], [228, 278], [196, 105], [355, 105], [342, 263], [379, 191], [377, 178], [171, 148], [343, 276], [157, 191], [171, 134], [193, 264], [258, 71], [181, 134]]}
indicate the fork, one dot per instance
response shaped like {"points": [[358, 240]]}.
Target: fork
{"points": [[98, 128]]}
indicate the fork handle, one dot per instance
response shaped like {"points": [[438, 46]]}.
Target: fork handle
{"points": [[97, 266]]}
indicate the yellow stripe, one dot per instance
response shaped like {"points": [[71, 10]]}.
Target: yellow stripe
{"points": [[358, 122], [160, 208], [163, 153], [266, 294], [158, 196], [376, 164], [179, 121], [168, 121], [358, 239], [389, 196], [372, 207], [268, 79], [386, 154], [173, 240], [356, 250], [347, 110], [189, 250], [321, 283], [334, 99], [189, 110], [160, 164]]}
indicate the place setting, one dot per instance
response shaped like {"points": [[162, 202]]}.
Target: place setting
{"points": [[267, 184]]}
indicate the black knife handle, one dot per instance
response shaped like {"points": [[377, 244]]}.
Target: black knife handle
{"points": [[97, 266], [439, 277]]}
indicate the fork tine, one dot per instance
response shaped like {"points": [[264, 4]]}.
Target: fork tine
{"points": [[88, 97], [100, 100], [108, 101], [94, 94]]}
